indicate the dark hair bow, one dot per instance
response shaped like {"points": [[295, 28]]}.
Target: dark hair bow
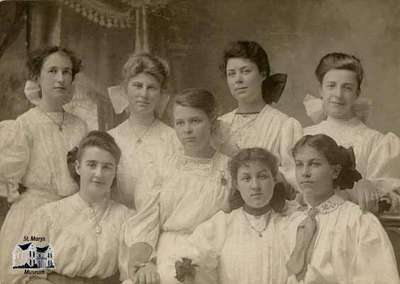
{"points": [[348, 175], [72, 156]]}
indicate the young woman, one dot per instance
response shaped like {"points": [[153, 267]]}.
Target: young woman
{"points": [[42, 137], [377, 156], [143, 137], [191, 189], [83, 230], [336, 242], [245, 245], [255, 123]]}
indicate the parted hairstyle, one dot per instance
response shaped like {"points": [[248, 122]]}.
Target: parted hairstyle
{"points": [[335, 155], [95, 138], [146, 63], [243, 158], [339, 61], [37, 58]]}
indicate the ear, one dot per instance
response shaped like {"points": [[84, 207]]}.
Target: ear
{"points": [[336, 171], [263, 75], [77, 167]]}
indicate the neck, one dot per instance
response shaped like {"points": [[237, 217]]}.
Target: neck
{"points": [[143, 119], [314, 200], [206, 153], [49, 107], [94, 200], [256, 211], [340, 119], [255, 106]]}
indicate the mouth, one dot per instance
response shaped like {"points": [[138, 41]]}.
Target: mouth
{"points": [[189, 139], [97, 182], [337, 103], [241, 89], [60, 88], [256, 195], [307, 182]]}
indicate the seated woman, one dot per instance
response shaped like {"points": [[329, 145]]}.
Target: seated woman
{"points": [[336, 242], [245, 245], [377, 155], [191, 188], [83, 229]]}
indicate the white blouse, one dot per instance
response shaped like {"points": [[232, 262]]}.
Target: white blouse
{"points": [[244, 249], [351, 246], [37, 158], [140, 155], [188, 192], [270, 129], [84, 238]]}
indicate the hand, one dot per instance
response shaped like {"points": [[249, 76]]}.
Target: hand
{"points": [[147, 275], [185, 270], [367, 195]]}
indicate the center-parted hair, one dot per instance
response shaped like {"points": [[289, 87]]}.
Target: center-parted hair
{"points": [[200, 99], [335, 155], [146, 63], [266, 158], [95, 138], [339, 61], [37, 58]]}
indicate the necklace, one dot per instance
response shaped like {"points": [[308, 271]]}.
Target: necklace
{"points": [[139, 139], [98, 221], [60, 125], [259, 232]]}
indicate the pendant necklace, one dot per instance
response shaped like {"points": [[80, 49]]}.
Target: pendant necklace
{"points": [[60, 125], [259, 232], [139, 139]]}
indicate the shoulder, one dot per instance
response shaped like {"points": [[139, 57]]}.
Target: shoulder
{"points": [[119, 129], [227, 116], [314, 129]]}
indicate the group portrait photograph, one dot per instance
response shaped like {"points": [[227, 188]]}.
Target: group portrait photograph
{"points": [[199, 141]]}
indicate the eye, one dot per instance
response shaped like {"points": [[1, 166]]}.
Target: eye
{"points": [[53, 70], [108, 167], [246, 71], [179, 123], [91, 164], [263, 176], [245, 178], [67, 72], [196, 120], [230, 73], [137, 85], [315, 164]]}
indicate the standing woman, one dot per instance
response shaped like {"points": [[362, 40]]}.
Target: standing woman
{"points": [[191, 189], [43, 136], [377, 155], [255, 123], [143, 137], [336, 241]]}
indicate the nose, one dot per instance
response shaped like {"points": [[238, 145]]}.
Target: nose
{"points": [[239, 77], [98, 171], [306, 171], [60, 76], [255, 185], [188, 128], [143, 92]]}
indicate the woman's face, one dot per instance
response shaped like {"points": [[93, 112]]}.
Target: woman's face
{"points": [[193, 128], [97, 169], [144, 93], [314, 173], [244, 80], [339, 90], [255, 183], [55, 79]]}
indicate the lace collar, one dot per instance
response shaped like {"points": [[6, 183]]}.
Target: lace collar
{"points": [[329, 205]]}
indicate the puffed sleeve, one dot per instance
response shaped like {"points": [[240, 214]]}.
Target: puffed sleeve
{"points": [[384, 163], [206, 242], [291, 132], [142, 227], [374, 259], [14, 157]]}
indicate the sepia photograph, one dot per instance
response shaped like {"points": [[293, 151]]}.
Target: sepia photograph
{"points": [[199, 141]]}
